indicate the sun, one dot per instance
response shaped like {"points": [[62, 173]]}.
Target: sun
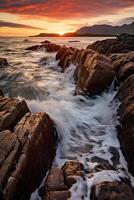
{"points": [[61, 33]]}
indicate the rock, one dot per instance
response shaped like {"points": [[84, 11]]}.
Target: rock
{"points": [[125, 95], [36, 135], [46, 41], [123, 65], [126, 89], [126, 132], [1, 93], [33, 48], [95, 75], [102, 164], [60, 52], [9, 149], [55, 180], [58, 195], [110, 46], [112, 191], [65, 59], [11, 111], [3, 62]]}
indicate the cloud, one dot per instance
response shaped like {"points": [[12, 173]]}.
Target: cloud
{"points": [[59, 9], [126, 20], [16, 25]]}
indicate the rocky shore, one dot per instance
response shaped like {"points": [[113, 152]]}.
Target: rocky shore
{"points": [[28, 141]]}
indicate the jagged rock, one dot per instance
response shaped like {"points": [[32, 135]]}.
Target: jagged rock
{"points": [[126, 132], [9, 150], [65, 59], [60, 52], [126, 89], [1, 93], [3, 62], [58, 195], [123, 65], [55, 180], [46, 41], [11, 111], [50, 47], [110, 46], [126, 116], [95, 75], [102, 164], [36, 135], [112, 191], [33, 48]]}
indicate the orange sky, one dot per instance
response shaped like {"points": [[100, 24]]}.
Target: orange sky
{"points": [[31, 17]]}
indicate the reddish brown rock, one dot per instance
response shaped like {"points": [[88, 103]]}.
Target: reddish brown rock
{"points": [[126, 89], [112, 191], [36, 134], [3, 62], [110, 46], [55, 180], [60, 52], [33, 48], [95, 75], [11, 111], [123, 65], [58, 195]]}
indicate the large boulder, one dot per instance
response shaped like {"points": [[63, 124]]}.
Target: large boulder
{"points": [[35, 134], [3, 62], [11, 111], [112, 191], [126, 114], [123, 65], [95, 75], [126, 89], [110, 46]]}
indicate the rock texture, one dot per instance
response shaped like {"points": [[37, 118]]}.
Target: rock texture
{"points": [[50, 47], [126, 113], [112, 191], [3, 62], [94, 72], [11, 111], [35, 133], [110, 46], [95, 75], [27, 148], [123, 65]]}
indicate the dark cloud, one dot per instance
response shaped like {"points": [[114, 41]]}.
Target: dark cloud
{"points": [[64, 9], [16, 25]]}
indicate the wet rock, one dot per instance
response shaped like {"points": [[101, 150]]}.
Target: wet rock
{"points": [[9, 150], [126, 89], [123, 65], [11, 111], [46, 41], [36, 135], [55, 180], [95, 76], [60, 52], [71, 170], [126, 131], [65, 59], [102, 164], [33, 48], [3, 62], [110, 46], [112, 191], [58, 195]]}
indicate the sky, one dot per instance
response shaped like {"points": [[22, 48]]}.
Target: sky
{"points": [[31, 17]]}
